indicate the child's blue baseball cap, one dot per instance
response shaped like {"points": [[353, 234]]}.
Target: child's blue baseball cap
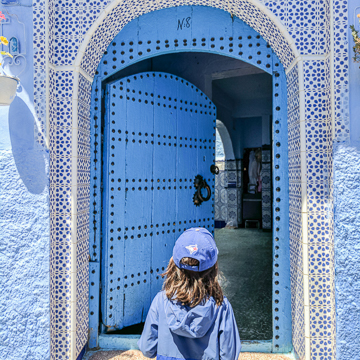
{"points": [[196, 243]]}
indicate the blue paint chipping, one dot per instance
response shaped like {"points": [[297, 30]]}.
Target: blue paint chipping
{"points": [[24, 219], [139, 38]]}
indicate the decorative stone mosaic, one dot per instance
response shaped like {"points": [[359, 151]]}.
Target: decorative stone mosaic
{"points": [[295, 217], [62, 95]]}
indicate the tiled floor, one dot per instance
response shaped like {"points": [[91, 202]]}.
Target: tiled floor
{"points": [[136, 355]]}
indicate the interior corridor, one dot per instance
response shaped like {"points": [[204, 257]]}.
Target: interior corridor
{"points": [[245, 260]]}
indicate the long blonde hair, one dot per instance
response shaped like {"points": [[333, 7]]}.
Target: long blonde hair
{"points": [[192, 287]]}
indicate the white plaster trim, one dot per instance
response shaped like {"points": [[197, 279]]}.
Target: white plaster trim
{"points": [[306, 58], [332, 72], [304, 213], [62, 67], [72, 68], [74, 149], [85, 74], [226, 140], [307, 330], [92, 30], [290, 67], [314, 57], [74, 187]]}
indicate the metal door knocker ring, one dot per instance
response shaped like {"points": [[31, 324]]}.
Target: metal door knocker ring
{"points": [[214, 169], [200, 184]]}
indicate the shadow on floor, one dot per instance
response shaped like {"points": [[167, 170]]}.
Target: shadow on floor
{"points": [[245, 260]]}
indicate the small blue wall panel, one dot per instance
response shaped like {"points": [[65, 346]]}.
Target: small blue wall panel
{"points": [[159, 134]]}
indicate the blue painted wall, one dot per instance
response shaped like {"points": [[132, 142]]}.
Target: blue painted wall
{"points": [[24, 218], [347, 222], [249, 131]]}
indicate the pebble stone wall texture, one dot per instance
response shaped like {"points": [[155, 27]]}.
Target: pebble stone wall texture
{"points": [[302, 34], [346, 190]]}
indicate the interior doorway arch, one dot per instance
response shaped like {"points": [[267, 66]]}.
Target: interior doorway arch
{"points": [[131, 45], [222, 208], [226, 140]]}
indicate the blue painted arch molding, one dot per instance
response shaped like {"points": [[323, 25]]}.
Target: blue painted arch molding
{"points": [[209, 30]]}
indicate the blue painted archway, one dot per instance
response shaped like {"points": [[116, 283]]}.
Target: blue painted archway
{"points": [[199, 29]]}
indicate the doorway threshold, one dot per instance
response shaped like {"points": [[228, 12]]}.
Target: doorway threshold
{"points": [[129, 342], [103, 354], [118, 342]]}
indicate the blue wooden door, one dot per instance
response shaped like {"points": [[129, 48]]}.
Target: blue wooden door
{"points": [[159, 134]]}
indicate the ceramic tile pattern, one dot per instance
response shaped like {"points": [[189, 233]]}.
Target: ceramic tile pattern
{"points": [[66, 95], [295, 217], [220, 193], [228, 200]]}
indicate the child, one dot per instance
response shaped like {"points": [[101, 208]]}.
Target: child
{"points": [[190, 318]]}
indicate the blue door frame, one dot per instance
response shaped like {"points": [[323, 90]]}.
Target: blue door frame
{"points": [[197, 29]]}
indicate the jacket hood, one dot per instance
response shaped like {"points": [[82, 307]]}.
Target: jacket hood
{"points": [[190, 322]]}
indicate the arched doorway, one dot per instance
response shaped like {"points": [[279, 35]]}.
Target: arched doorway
{"points": [[123, 55], [224, 151], [63, 84], [223, 135]]}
